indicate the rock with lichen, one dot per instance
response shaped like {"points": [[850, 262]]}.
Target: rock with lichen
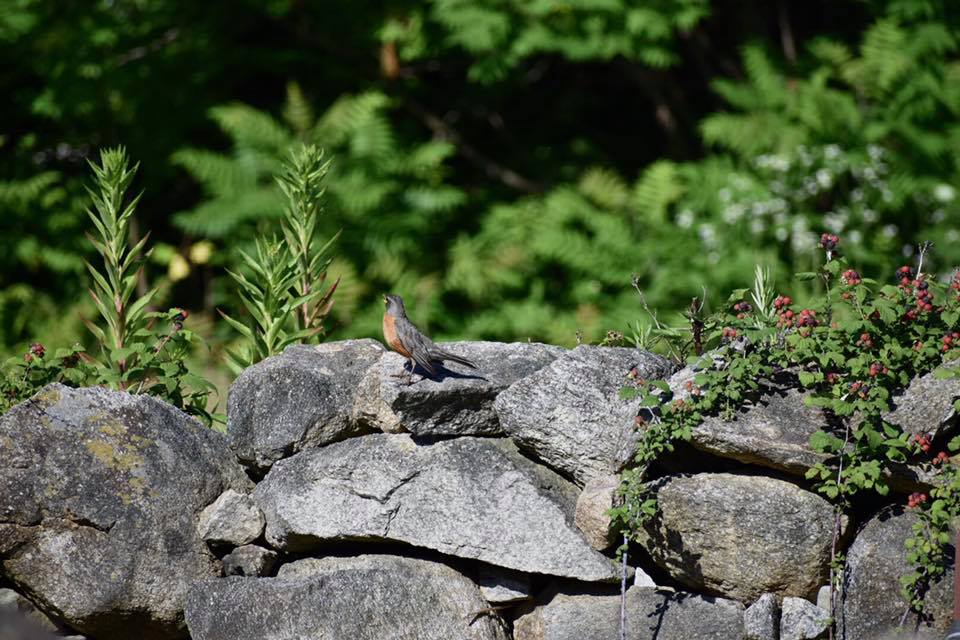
{"points": [[100, 492]]}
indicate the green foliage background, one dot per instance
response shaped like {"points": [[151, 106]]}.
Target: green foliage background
{"points": [[506, 165]]}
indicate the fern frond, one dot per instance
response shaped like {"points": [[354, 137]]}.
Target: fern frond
{"points": [[658, 187]]}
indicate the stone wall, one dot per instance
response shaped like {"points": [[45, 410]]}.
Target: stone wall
{"points": [[347, 502]]}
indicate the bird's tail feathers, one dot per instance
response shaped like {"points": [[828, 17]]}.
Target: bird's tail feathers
{"points": [[440, 354]]}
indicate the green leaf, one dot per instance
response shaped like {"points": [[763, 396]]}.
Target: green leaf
{"points": [[628, 393]]}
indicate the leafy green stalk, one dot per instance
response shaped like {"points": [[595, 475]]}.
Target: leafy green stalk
{"points": [[283, 292], [114, 285], [302, 183], [268, 294]]}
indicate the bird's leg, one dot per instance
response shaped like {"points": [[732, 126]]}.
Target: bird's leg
{"points": [[413, 368]]}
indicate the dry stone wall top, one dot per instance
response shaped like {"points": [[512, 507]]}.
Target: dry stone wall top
{"points": [[475, 505]]}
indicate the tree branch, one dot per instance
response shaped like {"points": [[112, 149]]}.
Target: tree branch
{"points": [[142, 51], [492, 168]]}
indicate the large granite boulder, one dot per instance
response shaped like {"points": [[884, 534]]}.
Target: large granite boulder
{"points": [[740, 536], [299, 399], [569, 413], [99, 497], [458, 400], [474, 498], [651, 615], [774, 432], [871, 604], [370, 597]]}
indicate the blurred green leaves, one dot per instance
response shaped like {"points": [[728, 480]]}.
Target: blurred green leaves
{"points": [[507, 166]]}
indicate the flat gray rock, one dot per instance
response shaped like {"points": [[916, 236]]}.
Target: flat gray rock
{"points": [[569, 414], [926, 406], [372, 597], [99, 497], [249, 560], [774, 432], [762, 618], [651, 615], [800, 619], [872, 606], [740, 536], [458, 400], [233, 519], [299, 399], [498, 586], [474, 498]]}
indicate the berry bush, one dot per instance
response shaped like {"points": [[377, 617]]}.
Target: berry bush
{"points": [[852, 351]]}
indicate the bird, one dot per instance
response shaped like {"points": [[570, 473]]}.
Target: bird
{"points": [[404, 338]]}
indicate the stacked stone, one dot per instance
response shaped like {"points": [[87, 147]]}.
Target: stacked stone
{"points": [[343, 502]]}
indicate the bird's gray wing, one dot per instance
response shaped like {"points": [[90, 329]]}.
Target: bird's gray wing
{"points": [[416, 343]]}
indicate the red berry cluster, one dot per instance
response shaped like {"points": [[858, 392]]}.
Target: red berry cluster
{"points": [[940, 458], [955, 284], [923, 442], [950, 340], [37, 350], [919, 287], [850, 277], [833, 378], [782, 306], [829, 242], [807, 318], [904, 275], [876, 369], [728, 333], [924, 297], [916, 499], [178, 318], [692, 388], [865, 341], [742, 309], [860, 389], [635, 376]]}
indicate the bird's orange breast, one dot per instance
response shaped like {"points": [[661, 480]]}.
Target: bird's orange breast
{"points": [[390, 335]]}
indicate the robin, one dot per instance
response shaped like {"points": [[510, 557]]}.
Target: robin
{"points": [[406, 339]]}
